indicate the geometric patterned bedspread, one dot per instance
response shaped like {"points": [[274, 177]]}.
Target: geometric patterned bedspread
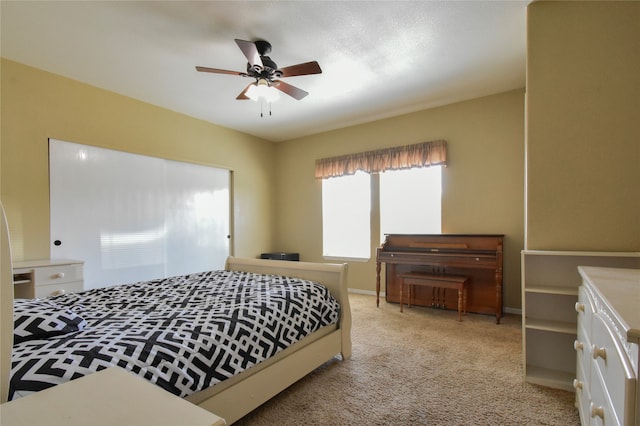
{"points": [[183, 333]]}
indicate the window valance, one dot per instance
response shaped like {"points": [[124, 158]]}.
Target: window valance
{"points": [[423, 154]]}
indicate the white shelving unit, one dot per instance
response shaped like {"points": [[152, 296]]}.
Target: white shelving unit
{"points": [[550, 282]]}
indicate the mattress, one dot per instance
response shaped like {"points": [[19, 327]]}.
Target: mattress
{"points": [[184, 333]]}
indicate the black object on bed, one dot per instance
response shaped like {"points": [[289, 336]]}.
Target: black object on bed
{"points": [[183, 333]]}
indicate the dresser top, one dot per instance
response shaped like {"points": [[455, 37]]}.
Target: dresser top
{"points": [[619, 289]]}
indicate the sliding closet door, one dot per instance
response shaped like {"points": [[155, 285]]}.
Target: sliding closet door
{"points": [[196, 218], [131, 217]]}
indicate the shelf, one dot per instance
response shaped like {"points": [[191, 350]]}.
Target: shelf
{"points": [[549, 377], [554, 326], [546, 289], [550, 282], [23, 278]]}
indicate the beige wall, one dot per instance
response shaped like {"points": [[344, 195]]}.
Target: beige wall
{"points": [[583, 126], [583, 153], [277, 200], [482, 186], [37, 105]]}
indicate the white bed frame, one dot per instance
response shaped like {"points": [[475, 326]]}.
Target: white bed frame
{"points": [[238, 396], [6, 308]]}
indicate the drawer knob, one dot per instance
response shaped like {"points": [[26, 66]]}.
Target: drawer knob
{"points": [[579, 307], [58, 292], [58, 275], [596, 411], [597, 352], [578, 345], [577, 384]]}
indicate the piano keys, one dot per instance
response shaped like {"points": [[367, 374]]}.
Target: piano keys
{"points": [[478, 256]]}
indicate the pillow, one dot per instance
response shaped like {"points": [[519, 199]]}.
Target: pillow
{"points": [[39, 319]]}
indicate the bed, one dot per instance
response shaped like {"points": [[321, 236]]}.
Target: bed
{"points": [[259, 380]]}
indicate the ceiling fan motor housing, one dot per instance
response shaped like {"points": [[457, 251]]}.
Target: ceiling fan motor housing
{"points": [[263, 47], [269, 69]]}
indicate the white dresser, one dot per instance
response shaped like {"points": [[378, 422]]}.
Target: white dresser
{"points": [[43, 278], [607, 385]]}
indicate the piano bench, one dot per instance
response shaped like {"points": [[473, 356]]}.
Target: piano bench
{"points": [[456, 282]]}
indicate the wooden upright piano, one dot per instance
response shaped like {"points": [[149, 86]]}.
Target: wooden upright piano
{"points": [[478, 256]]}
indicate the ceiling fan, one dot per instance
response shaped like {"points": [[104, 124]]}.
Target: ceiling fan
{"points": [[265, 71]]}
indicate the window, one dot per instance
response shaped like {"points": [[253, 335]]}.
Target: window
{"points": [[409, 203], [346, 214]]}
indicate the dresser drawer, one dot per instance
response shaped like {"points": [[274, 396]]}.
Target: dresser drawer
{"points": [[585, 307], [57, 289], [582, 345], [614, 368], [600, 411], [57, 274], [583, 394]]}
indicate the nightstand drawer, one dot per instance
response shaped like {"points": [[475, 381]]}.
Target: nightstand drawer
{"points": [[57, 289], [57, 274]]}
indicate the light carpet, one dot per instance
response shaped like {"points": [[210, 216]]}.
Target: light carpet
{"points": [[421, 367]]}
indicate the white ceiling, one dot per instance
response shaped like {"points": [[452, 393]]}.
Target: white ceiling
{"points": [[379, 59]]}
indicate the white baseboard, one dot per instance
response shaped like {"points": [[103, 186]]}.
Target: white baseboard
{"points": [[514, 311], [368, 292]]}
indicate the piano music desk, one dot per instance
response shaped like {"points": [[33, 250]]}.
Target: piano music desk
{"points": [[456, 282]]}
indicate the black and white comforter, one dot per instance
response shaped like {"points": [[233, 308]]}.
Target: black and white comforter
{"points": [[183, 333]]}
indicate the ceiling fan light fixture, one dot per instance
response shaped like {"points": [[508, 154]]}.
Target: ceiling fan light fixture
{"points": [[262, 90]]}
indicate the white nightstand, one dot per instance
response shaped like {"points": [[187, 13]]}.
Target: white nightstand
{"points": [[109, 397], [46, 277]]}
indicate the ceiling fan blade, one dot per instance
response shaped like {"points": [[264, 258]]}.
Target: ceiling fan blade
{"points": [[243, 95], [301, 69], [290, 90], [251, 52], [218, 71]]}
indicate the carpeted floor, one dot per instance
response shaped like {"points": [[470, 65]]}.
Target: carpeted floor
{"points": [[421, 367]]}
